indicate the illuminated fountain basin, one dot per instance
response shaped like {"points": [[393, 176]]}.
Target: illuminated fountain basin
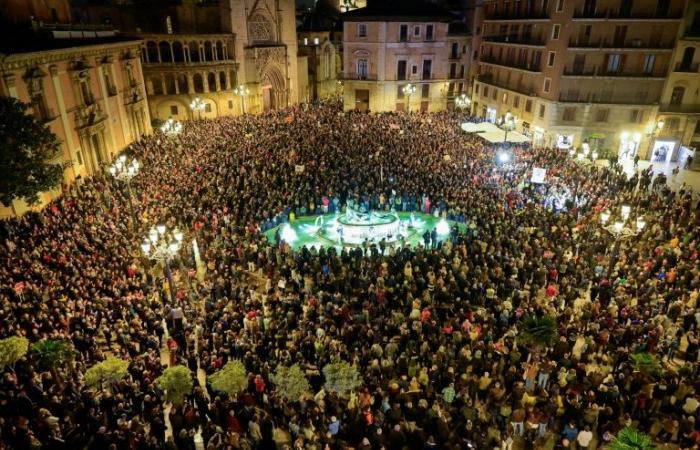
{"points": [[352, 229]]}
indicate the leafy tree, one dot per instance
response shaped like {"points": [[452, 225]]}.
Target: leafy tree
{"points": [[108, 372], [646, 363], [538, 331], [49, 354], [290, 382], [631, 439], [341, 377], [12, 349], [176, 382], [231, 379], [27, 149]]}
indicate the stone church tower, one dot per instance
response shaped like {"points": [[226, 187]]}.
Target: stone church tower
{"points": [[266, 50]]}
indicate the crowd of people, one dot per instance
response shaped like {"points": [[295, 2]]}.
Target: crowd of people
{"points": [[433, 330]]}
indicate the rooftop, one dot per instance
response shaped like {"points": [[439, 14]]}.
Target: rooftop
{"points": [[399, 11], [25, 41]]}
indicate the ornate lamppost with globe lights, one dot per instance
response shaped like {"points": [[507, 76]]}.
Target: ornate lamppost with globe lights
{"points": [[171, 127], [507, 123], [125, 172], [162, 245], [621, 227], [462, 101], [197, 105], [242, 91], [408, 90]]}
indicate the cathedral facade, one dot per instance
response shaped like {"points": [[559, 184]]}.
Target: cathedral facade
{"points": [[204, 59]]}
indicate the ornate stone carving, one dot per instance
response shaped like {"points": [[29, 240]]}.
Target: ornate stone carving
{"points": [[260, 29]]}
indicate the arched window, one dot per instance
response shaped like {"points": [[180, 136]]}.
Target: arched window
{"points": [[220, 51], [178, 53], [165, 52], [182, 83], [211, 80], [170, 84], [677, 95], [208, 55], [152, 51], [362, 68], [688, 56], [194, 51], [157, 85], [222, 80], [198, 82]]}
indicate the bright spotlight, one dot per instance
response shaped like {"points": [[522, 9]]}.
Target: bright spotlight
{"points": [[443, 228], [503, 157], [288, 234]]}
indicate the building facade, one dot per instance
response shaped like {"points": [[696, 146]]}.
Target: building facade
{"points": [[323, 64], [388, 46], [678, 124], [91, 96], [574, 71], [206, 49]]}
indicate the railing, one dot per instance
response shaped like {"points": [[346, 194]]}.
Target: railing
{"points": [[521, 88], [356, 76], [518, 16], [598, 71], [512, 64], [683, 108], [536, 40], [632, 43], [616, 15], [628, 99], [690, 68]]}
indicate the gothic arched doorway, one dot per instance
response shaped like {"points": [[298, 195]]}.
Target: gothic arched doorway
{"points": [[274, 94]]}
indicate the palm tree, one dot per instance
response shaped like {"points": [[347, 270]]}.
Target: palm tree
{"points": [[631, 439], [646, 363], [538, 331], [50, 355]]}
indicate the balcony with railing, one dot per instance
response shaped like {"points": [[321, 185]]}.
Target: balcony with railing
{"points": [[532, 41], [519, 87], [687, 108], [603, 72], [526, 66], [629, 44], [517, 16], [688, 68], [611, 14], [610, 97], [358, 76]]}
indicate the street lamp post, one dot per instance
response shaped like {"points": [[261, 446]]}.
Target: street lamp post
{"points": [[408, 90], [243, 92], [171, 127], [462, 101], [125, 172], [507, 123], [162, 245], [197, 105], [620, 228]]}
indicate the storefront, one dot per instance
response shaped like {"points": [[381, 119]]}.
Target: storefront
{"points": [[663, 150], [491, 114], [629, 145]]}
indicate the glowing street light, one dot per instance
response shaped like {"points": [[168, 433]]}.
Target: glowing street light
{"points": [[242, 91], [507, 123], [408, 90], [122, 171], [171, 127], [621, 228], [197, 105], [162, 245], [462, 101]]}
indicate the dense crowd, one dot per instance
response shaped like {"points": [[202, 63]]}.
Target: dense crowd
{"points": [[434, 330]]}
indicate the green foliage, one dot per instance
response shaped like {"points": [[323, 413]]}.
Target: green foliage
{"points": [[109, 372], [646, 363], [177, 383], [341, 377], [290, 382], [538, 331], [631, 439], [27, 149], [12, 349], [49, 354], [231, 379]]}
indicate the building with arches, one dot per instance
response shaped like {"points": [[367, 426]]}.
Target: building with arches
{"points": [[90, 95], [679, 108], [207, 48], [324, 64]]}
